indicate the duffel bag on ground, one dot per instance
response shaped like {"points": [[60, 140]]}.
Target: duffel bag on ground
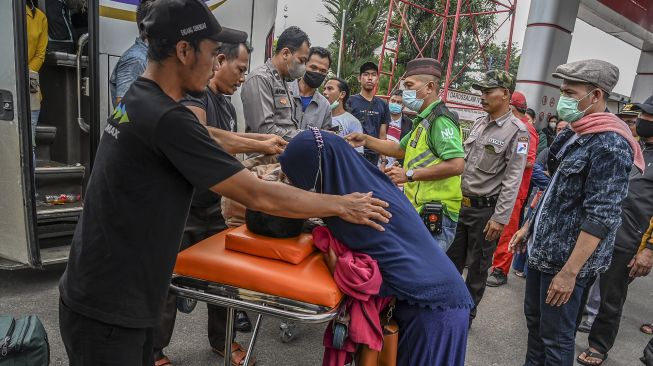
{"points": [[23, 342]]}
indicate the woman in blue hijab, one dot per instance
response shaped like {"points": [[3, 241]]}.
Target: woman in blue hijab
{"points": [[433, 303]]}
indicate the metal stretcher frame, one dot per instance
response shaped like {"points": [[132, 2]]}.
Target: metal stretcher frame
{"points": [[242, 299]]}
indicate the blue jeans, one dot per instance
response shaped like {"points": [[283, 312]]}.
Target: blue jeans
{"points": [[34, 118], [445, 237], [593, 301], [551, 329], [520, 262]]}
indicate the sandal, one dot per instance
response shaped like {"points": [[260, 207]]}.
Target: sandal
{"points": [[646, 328], [238, 353], [163, 362], [588, 353]]}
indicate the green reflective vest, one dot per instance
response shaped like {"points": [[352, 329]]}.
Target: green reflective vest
{"points": [[419, 154]]}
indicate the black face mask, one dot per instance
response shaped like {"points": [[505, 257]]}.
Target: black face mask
{"points": [[314, 79], [644, 128]]}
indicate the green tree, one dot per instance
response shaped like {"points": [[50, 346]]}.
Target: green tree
{"points": [[365, 26]]}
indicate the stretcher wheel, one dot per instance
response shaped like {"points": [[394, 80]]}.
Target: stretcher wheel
{"points": [[186, 305], [339, 335], [287, 331]]}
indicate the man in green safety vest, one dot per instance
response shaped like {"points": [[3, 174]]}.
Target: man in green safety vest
{"points": [[433, 153]]}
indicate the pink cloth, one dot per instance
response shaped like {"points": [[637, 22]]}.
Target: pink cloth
{"points": [[608, 122], [358, 276]]}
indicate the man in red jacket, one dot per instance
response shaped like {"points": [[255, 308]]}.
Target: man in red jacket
{"points": [[503, 258]]}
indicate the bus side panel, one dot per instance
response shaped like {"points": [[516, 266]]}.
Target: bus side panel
{"points": [[13, 217], [118, 31], [260, 23]]}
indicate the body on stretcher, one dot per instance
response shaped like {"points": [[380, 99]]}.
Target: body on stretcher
{"points": [[303, 292]]}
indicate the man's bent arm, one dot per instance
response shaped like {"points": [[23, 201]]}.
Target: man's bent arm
{"points": [[385, 147], [233, 143], [511, 180], [585, 246], [284, 200], [446, 169]]}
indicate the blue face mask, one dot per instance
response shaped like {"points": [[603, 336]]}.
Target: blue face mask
{"points": [[395, 108], [335, 104], [411, 101], [568, 108]]}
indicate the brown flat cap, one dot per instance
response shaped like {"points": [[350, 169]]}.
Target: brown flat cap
{"points": [[424, 66]]}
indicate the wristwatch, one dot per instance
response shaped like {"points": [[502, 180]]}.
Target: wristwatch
{"points": [[409, 175], [649, 245]]}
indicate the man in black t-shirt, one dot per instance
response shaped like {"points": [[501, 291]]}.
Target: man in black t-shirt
{"points": [[371, 111], [215, 111], [151, 155]]}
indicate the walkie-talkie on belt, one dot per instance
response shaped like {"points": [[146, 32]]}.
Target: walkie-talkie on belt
{"points": [[432, 216]]}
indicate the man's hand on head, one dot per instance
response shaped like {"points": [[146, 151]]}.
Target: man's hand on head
{"points": [[363, 209], [273, 145]]}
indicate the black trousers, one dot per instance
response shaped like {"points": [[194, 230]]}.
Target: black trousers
{"points": [[647, 359], [613, 285], [470, 242], [201, 224], [371, 156], [90, 342]]}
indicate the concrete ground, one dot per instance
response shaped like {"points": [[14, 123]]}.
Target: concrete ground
{"points": [[498, 336]]}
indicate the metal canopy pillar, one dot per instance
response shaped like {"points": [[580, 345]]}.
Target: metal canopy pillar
{"points": [[546, 45], [643, 85]]}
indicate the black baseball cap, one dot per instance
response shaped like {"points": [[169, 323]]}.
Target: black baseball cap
{"points": [[647, 106], [188, 20], [369, 65]]}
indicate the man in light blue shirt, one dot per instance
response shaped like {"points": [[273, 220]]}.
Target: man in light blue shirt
{"points": [[132, 63]]}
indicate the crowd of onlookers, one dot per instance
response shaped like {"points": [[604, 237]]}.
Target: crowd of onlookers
{"points": [[567, 206]]}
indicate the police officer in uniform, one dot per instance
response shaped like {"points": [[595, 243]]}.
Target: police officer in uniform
{"points": [[432, 152], [495, 157], [268, 104]]}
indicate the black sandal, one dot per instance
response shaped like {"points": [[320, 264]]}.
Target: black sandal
{"points": [[588, 353]]}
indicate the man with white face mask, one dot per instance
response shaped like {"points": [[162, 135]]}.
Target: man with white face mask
{"points": [[432, 152], [268, 103]]}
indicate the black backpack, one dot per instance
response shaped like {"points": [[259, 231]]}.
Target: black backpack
{"points": [[23, 342]]}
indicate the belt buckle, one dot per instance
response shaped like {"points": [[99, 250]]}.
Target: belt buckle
{"points": [[467, 202]]}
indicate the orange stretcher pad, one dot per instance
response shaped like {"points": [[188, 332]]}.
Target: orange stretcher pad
{"points": [[308, 281]]}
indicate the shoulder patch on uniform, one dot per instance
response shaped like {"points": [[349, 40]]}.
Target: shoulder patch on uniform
{"points": [[522, 139], [519, 124], [522, 148]]}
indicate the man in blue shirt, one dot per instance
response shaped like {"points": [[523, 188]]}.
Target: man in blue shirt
{"points": [[371, 110], [132, 63]]}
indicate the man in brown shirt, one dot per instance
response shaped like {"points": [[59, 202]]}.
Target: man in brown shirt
{"points": [[495, 157]]}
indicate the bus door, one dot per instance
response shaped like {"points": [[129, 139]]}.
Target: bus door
{"points": [[44, 171], [18, 216]]}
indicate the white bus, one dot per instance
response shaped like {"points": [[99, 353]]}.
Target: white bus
{"points": [[43, 184]]}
